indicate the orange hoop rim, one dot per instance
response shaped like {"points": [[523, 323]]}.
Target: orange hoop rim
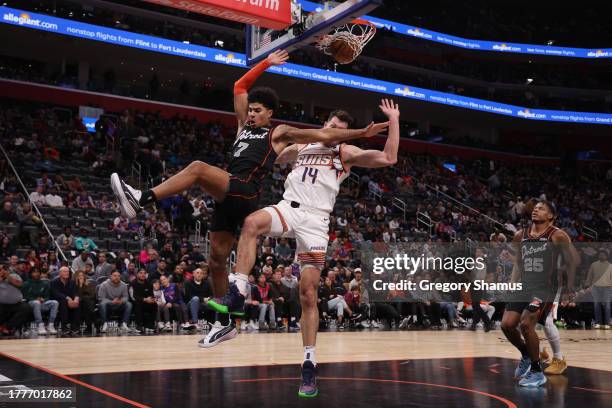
{"points": [[361, 21]]}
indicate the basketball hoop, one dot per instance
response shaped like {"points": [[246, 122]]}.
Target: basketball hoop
{"points": [[347, 41]]}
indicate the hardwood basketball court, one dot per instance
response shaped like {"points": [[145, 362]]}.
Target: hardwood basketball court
{"points": [[380, 368]]}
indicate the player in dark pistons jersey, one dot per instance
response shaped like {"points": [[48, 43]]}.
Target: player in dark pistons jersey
{"points": [[236, 191], [538, 251]]}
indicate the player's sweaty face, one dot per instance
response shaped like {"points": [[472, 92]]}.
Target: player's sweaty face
{"points": [[337, 124], [259, 115], [540, 213]]}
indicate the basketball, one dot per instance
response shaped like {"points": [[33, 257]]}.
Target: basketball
{"points": [[341, 51]]}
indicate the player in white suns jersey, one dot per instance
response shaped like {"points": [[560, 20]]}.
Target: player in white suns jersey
{"points": [[310, 194]]}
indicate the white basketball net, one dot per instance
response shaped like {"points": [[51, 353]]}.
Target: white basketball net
{"points": [[356, 34]]}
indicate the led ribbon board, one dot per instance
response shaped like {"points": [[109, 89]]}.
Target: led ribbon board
{"points": [[507, 47], [176, 48], [274, 14]]}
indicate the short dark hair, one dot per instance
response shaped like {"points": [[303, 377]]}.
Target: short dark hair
{"points": [[266, 96], [551, 207], [342, 115]]}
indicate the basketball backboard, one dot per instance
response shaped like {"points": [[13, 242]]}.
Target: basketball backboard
{"points": [[305, 28]]}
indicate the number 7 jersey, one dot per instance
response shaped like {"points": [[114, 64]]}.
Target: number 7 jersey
{"points": [[252, 159], [316, 177]]}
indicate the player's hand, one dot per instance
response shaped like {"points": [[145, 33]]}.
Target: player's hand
{"points": [[375, 128], [278, 57], [390, 109]]}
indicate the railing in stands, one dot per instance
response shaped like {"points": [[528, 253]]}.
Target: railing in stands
{"points": [[446, 197], [401, 205], [198, 233], [590, 233], [424, 220], [207, 245], [33, 204], [443, 196], [136, 173], [353, 180]]}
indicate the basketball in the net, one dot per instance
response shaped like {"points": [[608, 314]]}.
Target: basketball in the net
{"points": [[341, 51]]}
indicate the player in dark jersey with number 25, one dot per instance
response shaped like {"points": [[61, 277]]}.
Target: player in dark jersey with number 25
{"points": [[236, 191], [538, 250]]}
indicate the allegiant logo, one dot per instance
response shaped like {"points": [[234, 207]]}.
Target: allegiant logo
{"points": [[24, 19], [418, 33], [408, 92], [230, 59], [525, 113], [505, 47], [598, 54]]}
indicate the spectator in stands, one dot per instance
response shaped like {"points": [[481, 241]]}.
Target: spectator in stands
{"points": [[53, 199], [167, 253], [32, 260], [288, 278], [87, 298], [105, 205], [145, 308], [196, 292], [286, 305], [104, 268], [120, 224], [261, 294], [13, 264], [130, 273], [335, 301], [78, 264], [174, 301], [184, 219], [66, 240], [283, 252], [84, 243], [38, 294], [75, 185], [353, 301], [71, 200], [64, 290], [85, 201], [13, 312], [599, 280], [113, 297], [178, 276], [7, 248], [162, 270], [38, 197], [44, 181], [53, 265], [163, 309], [27, 219]]}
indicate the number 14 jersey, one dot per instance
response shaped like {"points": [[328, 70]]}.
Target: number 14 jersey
{"points": [[316, 176]]}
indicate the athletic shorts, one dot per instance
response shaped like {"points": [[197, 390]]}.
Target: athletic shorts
{"points": [[309, 226], [240, 201], [542, 309]]}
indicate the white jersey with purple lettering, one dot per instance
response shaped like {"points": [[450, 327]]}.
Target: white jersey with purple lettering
{"points": [[311, 189], [316, 177]]}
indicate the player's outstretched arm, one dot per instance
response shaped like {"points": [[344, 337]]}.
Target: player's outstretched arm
{"points": [[289, 154], [354, 156], [289, 134], [570, 255], [242, 86], [517, 269]]}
